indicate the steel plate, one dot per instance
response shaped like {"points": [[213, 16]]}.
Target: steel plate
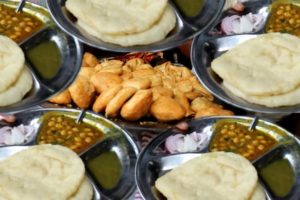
{"points": [[206, 48], [153, 163], [70, 51], [115, 139], [186, 27]]}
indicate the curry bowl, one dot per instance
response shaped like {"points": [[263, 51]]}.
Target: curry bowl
{"points": [[52, 57], [109, 160], [157, 159], [186, 27]]}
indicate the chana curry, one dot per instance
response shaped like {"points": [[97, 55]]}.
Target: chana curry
{"points": [[236, 138], [285, 18], [63, 130], [17, 26]]}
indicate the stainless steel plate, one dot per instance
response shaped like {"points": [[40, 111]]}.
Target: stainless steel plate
{"points": [[206, 48], [115, 139], [186, 27], [70, 51], [153, 163]]}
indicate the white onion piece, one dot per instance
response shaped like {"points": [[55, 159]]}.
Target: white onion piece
{"points": [[172, 142], [16, 135], [186, 143], [242, 24]]}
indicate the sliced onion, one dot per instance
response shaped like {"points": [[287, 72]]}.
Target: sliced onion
{"points": [[242, 24], [172, 142], [186, 143]]}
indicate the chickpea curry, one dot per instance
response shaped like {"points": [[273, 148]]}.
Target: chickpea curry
{"points": [[17, 26], [285, 18], [235, 137], [63, 130]]}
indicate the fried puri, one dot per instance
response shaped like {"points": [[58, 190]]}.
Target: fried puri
{"points": [[159, 91], [167, 109], [137, 106], [118, 101], [87, 72], [105, 97], [104, 80], [137, 83], [211, 111], [62, 98], [184, 102], [82, 92], [201, 103], [89, 60]]}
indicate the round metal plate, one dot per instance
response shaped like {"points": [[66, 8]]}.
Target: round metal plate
{"points": [[185, 29], [70, 51], [153, 162], [115, 139], [206, 48]]}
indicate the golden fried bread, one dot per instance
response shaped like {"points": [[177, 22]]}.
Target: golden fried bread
{"points": [[159, 91], [184, 86], [193, 95], [201, 103], [156, 80], [134, 63], [88, 72], [137, 83], [82, 92], [137, 106], [184, 102], [104, 80], [167, 109], [143, 72], [113, 107], [113, 66], [104, 98], [211, 111], [89, 60], [62, 98], [199, 88]]}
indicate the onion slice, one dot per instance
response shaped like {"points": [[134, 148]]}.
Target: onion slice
{"points": [[16, 135], [180, 143], [242, 24]]}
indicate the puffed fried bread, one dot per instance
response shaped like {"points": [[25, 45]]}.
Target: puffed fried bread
{"points": [[137, 106], [82, 92], [104, 80], [62, 98], [105, 97], [137, 83], [167, 109], [184, 102], [113, 107]]}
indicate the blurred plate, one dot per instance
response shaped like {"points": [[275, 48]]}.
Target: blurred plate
{"points": [[115, 140], [154, 162], [69, 54], [186, 27]]}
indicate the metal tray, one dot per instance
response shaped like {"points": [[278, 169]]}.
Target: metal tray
{"points": [[186, 27], [70, 51], [115, 139], [206, 48], [153, 163]]}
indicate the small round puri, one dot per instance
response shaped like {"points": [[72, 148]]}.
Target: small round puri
{"points": [[185, 28]]}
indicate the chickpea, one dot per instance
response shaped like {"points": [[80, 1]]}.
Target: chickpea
{"points": [[248, 137], [75, 129], [77, 139], [255, 142], [261, 147], [82, 135], [236, 140], [250, 146], [88, 140], [90, 134]]}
